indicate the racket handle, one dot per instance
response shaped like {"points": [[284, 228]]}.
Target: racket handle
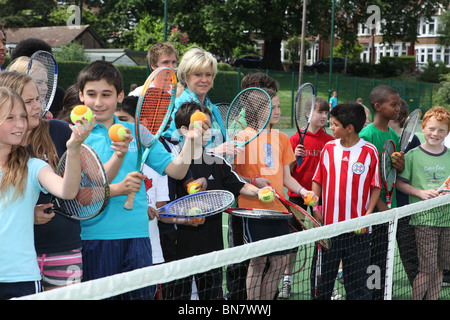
{"points": [[130, 199], [299, 161]]}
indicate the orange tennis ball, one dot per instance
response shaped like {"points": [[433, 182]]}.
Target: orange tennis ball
{"points": [[198, 116], [266, 195], [80, 111], [193, 187], [116, 132], [310, 200]]}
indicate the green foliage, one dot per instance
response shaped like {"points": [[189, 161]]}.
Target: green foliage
{"points": [[352, 51], [443, 95], [71, 52], [444, 29], [433, 71]]}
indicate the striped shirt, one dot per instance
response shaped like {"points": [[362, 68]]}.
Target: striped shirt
{"points": [[347, 176]]}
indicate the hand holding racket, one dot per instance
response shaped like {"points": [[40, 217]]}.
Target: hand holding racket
{"points": [[304, 108], [388, 172], [43, 68], [198, 205], [93, 192], [153, 112]]}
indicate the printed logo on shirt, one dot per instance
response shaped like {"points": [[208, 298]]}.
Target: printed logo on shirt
{"points": [[268, 155], [358, 168], [210, 177]]}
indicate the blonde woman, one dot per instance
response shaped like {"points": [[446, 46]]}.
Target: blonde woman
{"points": [[196, 73]]}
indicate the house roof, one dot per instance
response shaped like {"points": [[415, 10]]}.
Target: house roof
{"points": [[56, 36]]}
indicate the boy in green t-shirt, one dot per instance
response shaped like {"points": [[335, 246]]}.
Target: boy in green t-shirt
{"points": [[426, 168], [384, 100]]}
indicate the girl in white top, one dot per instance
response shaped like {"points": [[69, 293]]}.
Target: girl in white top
{"points": [[22, 179]]}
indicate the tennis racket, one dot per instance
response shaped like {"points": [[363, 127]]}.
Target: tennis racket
{"points": [[248, 115], [43, 68], [223, 109], [153, 113], [198, 205], [259, 213], [388, 173], [409, 128], [304, 108], [445, 186], [306, 220], [93, 192]]}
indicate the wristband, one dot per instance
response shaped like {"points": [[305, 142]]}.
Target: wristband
{"points": [[300, 190]]}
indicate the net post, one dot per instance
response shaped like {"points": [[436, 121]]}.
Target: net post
{"points": [[390, 255]]}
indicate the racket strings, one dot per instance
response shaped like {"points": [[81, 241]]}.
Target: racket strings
{"points": [[42, 68], [202, 203], [389, 172], [409, 129], [248, 115], [157, 100], [304, 106], [93, 190]]}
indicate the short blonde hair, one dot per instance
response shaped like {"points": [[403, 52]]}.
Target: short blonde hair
{"points": [[19, 64], [195, 60]]}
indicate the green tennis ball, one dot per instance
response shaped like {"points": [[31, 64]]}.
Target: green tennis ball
{"points": [[80, 111], [266, 195], [195, 211]]}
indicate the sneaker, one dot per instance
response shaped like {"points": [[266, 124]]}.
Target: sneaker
{"points": [[285, 292], [335, 295]]}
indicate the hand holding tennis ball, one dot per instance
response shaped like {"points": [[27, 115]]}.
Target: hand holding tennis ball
{"points": [[193, 187], [310, 200], [266, 195], [395, 155], [116, 132], [79, 112], [198, 116]]}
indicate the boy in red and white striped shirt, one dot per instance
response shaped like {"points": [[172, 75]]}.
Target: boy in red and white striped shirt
{"points": [[347, 180]]}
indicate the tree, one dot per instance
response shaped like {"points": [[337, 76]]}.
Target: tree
{"points": [[444, 29]]}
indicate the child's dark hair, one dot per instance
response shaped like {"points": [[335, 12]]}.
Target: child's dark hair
{"points": [[101, 70], [129, 105], [321, 105], [184, 112], [379, 94], [350, 113]]}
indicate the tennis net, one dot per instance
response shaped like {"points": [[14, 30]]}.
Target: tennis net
{"points": [[403, 263]]}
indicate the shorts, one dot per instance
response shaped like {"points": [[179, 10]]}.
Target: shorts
{"points": [[433, 248], [103, 258], [260, 229], [60, 269], [10, 290]]}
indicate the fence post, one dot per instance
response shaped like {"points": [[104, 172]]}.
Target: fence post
{"points": [[292, 97]]}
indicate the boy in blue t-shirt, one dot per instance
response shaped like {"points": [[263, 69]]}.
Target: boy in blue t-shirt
{"points": [[117, 240]]}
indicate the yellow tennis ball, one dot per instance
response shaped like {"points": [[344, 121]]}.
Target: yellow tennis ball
{"points": [[266, 195], [116, 132], [395, 153], [198, 116], [80, 111], [193, 187], [310, 200], [194, 211]]}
